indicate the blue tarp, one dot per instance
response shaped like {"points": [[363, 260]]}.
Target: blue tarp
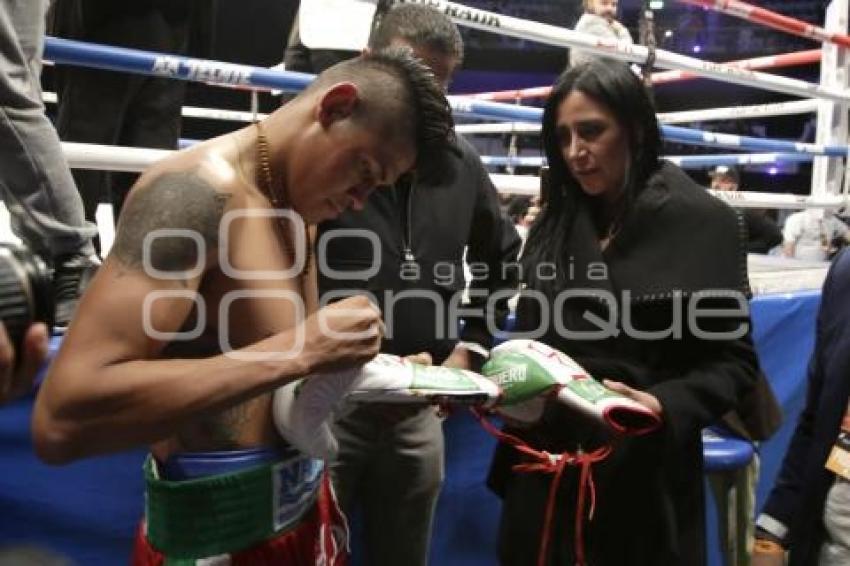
{"points": [[88, 511]]}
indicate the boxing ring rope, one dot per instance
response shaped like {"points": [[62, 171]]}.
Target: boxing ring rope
{"points": [[215, 72], [131, 159], [553, 35], [768, 110], [683, 161], [687, 116], [111, 157], [195, 112], [701, 161], [220, 73], [664, 77], [772, 20], [148, 63], [767, 62]]}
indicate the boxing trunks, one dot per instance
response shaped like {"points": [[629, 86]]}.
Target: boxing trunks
{"points": [[247, 507]]}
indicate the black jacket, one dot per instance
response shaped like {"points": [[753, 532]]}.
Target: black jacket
{"points": [[799, 494], [764, 234], [649, 492], [423, 226]]}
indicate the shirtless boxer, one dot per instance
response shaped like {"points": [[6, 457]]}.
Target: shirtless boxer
{"points": [[123, 378]]}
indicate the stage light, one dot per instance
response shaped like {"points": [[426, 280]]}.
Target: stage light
{"points": [[697, 48], [656, 4], [773, 171]]}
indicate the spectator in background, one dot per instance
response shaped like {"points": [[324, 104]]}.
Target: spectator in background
{"points": [[599, 18], [105, 107], [763, 233], [35, 181], [518, 211], [814, 234]]}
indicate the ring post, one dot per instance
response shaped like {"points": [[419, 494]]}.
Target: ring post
{"points": [[828, 172]]}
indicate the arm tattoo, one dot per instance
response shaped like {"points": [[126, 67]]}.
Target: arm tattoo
{"points": [[173, 201]]}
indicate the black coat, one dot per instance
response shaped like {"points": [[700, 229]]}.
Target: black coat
{"points": [[434, 220], [799, 494], [677, 239], [763, 232]]}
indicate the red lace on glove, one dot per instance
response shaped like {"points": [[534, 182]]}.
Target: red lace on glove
{"points": [[555, 464]]}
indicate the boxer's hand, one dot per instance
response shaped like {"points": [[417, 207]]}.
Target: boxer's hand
{"points": [[394, 413], [15, 382], [647, 400], [460, 358], [344, 334], [303, 410]]}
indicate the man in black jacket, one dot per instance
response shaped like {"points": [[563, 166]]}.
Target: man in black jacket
{"points": [[807, 511], [409, 253], [763, 233]]}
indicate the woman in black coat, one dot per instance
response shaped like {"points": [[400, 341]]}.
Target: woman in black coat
{"points": [[639, 275]]}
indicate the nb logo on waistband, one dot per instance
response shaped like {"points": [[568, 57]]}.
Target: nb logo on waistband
{"points": [[296, 483]]}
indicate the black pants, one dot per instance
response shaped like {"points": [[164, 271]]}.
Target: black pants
{"points": [[111, 108]]}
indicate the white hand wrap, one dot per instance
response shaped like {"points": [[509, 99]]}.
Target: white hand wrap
{"points": [[304, 410]]}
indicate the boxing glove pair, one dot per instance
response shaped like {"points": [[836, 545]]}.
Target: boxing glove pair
{"points": [[518, 379]]}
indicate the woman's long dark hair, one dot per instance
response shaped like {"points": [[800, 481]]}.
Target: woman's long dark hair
{"points": [[616, 87]]}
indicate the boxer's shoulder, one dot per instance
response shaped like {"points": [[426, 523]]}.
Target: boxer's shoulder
{"points": [[170, 215]]}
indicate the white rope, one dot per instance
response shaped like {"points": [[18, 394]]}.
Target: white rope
{"points": [[500, 128], [562, 37], [528, 185], [740, 112], [684, 117], [752, 199], [111, 157], [133, 159], [688, 116], [194, 112]]}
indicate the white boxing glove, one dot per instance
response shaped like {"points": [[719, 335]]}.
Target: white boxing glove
{"points": [[304, 410], [392, 379]]}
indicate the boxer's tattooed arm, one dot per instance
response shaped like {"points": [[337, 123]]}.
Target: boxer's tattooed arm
{"points": [[173, 201]]}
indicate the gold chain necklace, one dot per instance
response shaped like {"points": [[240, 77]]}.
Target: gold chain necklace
{"points": [[267, 184]]}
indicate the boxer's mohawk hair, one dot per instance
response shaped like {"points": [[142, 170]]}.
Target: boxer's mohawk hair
{"points": [[399, 94]]}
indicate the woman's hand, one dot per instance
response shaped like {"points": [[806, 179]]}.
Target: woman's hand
{"points": [[422, 358], [394, 413], [642, 397], [767, 560]]}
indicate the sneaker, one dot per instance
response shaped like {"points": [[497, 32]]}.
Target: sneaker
{"points": [[71, 276]]}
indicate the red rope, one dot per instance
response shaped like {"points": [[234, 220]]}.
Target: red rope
{"points": [[555, 464]]}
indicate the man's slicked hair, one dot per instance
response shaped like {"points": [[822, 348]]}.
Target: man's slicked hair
{"points": [[399, 95], [420, 26]]}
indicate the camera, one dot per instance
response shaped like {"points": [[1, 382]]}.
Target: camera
{"points": [[26, 293]]}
